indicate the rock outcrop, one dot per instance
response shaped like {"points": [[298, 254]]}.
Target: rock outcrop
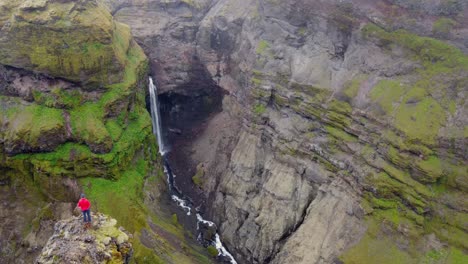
{"points": [[103, 242], [344, 123]]}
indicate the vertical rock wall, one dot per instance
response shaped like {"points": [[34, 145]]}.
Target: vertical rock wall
{"points": [[344, 126]]}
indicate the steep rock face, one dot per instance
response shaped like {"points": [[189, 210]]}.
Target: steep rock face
{"points": [[41, 112], [104, 242], [72, 105], [75, 40], [72, 120], [352, 123]]}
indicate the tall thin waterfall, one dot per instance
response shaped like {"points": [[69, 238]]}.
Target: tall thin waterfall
{"points": [[176, 195], [155, 116]]}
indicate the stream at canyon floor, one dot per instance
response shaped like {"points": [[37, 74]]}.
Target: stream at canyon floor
{"points": [[206, 230]]}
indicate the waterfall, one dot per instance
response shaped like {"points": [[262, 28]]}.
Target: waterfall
{"points": [[176, 195], [155, 116]]}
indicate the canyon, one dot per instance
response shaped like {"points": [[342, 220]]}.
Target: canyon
{"points": [[308, 131]]}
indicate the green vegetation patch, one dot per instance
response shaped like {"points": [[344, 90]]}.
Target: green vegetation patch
{"points": [[437, 56], [29, 124], [87, 124], [387, 93], [259, 109], [76, 160], [352, 88], [421, 121], [432, 167], [443, 26], [212, 251], [418, 190], [122, 199], [197, 179], [340, 134], [372, 250], [79, 46], [262, 47], [421, 109], [58, 98]]}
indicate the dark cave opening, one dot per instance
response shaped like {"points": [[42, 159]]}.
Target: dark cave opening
{"points": [[185, 113]]}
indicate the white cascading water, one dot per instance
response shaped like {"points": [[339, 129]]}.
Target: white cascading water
{"points": [[155, 116], [176, 195]]}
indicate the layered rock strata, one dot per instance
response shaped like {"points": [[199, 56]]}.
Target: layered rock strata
{"points": [[344, 128]]}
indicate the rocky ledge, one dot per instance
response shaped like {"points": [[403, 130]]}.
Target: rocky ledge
{"points": [[104, 242]]}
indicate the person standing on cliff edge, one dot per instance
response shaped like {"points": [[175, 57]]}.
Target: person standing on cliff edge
{"points": [[84, 205]]}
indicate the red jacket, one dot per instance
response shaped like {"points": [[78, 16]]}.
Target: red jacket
{"points": [[84, 204]]}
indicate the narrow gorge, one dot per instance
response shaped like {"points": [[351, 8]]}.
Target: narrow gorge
{"points": [[306, 131]]}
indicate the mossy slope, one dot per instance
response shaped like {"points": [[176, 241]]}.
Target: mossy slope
{"points": [[404, 134], [75, 40]]}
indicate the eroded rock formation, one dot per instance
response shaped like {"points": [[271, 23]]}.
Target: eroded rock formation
{"points": [[103, 242], [343, 129], [73, 119]]}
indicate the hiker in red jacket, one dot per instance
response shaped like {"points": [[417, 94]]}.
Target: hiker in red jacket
{"points": [[84, 205]]}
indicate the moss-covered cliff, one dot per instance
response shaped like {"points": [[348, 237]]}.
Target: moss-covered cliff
{"points": [[72, 119]]}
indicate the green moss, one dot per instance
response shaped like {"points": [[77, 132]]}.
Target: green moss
{"points": [[84, 52], [400, 188], [387, 93], [75, 160], [384, 203], [143, 254], [397, 209], [352, 88], [121, 199], [262, 47], [87, 124], [456, 256], [256, 82], [174, 219], [372, 250], [443, 26], [340, 107], [45, 213], [384, 235], [420, 114], [433, 53], [452, 107], [280, 100], [406, 144], [340, 134], [36, 122], [317, 94], [197, 178], [212, 251], [421, 121], [114, 129], [259, 109], [446, 232], [432, 167]]}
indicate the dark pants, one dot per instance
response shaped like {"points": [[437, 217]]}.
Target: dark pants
{"points": [[86, 216]]}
